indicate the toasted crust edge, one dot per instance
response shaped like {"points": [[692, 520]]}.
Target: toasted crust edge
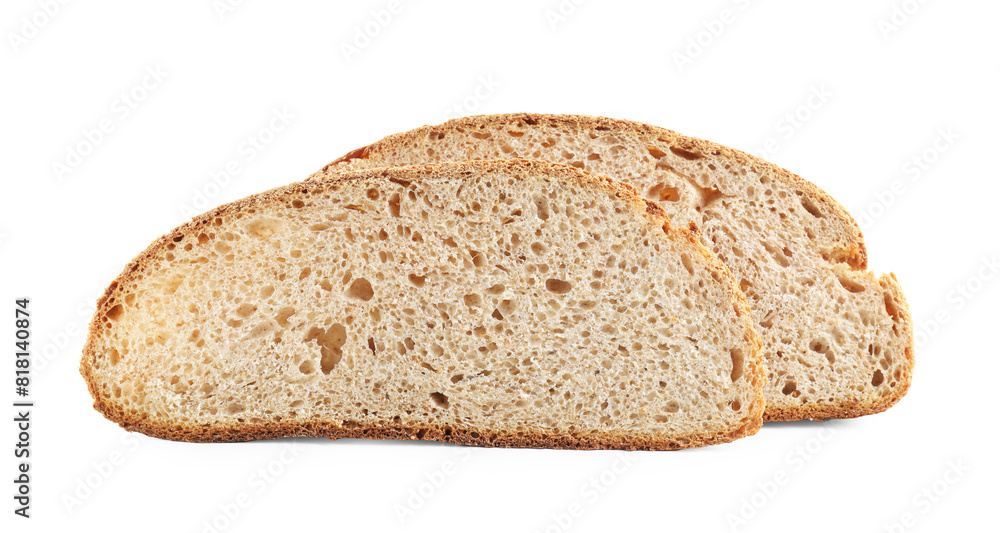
{"points": [[754, 370], [855, 256]]}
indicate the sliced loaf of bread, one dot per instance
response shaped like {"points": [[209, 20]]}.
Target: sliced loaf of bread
{"points": [[838, 341], [503, 303]]}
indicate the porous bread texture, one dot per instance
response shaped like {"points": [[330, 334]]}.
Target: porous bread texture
{"points": [[505, 303], [838, 341]]}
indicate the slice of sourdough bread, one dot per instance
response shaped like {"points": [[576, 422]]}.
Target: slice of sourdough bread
{"points": [[493, 303], [838, 341]]}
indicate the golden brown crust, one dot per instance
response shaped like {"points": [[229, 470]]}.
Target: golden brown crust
{"points": [[854, 254], [471, 437], [137, 421]]}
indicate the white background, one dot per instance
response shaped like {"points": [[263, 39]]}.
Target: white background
{"points": [[890, 86]]}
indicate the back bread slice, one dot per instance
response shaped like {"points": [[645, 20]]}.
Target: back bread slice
{"points": [[504, 303], [838, 341]]}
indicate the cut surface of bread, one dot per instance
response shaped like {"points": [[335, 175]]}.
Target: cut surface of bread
{"points": [[494, 303], [838, 341]]}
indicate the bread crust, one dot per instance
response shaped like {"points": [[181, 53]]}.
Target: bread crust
{"points": [[137, 421], [854, 254]]}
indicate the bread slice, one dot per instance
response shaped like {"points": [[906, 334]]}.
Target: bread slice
{"points": [[503, 303], [838, 341]]}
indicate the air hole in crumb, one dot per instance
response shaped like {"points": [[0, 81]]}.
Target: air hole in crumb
{"points": [[330, 341], [360, 289], [663, 193], [877, 378], [172, 283], [262, 228], [850, 285], [439, 400], [890, 307], [737, 356], [820, 346], [417, 281], [283, 314], [558, 286], [788, 388], [673, 406], [688, 264], [541, 206], [113, 356], [655, 152], [811, 207], [478, 258], [394, 205], [680, 152], [736, 405], [115, 312], [778, 255]]}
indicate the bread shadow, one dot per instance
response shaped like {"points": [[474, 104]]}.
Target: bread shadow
{"points": [[805, 424]]}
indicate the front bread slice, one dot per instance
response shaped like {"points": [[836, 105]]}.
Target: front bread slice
{"points": [[838, 341], [493, 303]]}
